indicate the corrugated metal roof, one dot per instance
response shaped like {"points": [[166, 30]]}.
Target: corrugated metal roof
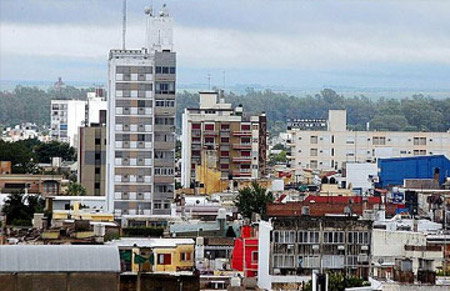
{"points": [[56, 258]]}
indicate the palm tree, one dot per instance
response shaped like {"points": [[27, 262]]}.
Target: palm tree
{"points": [[76, 189]]}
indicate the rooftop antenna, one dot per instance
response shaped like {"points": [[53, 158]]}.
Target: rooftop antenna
{"points": [[124, 23], [209, 81]]}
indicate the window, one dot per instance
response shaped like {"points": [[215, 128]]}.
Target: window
{"points": [[185, 256], [224, 139], [97, 170], [358, 237], [332, 152], [172, 70], [97, 185], [254, 256], [313, 164], [164, 259], [165, 70], [224, 153], [379, 140], [420, 152], [308, 237], [97, 141], [314, 139], [224, 127], [157, 204], [209, 126], [284, 236], [333, 237], [196, 126], [313, 152], [245, 126], [97, 156], [420, 141], [224, 166]]}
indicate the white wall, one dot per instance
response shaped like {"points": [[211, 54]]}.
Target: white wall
{"points": [[358, 174]]}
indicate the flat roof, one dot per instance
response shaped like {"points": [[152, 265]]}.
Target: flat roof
{"points": [[151, 242]]}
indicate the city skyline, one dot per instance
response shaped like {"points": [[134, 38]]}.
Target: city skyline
{"points": [[349, 43]]}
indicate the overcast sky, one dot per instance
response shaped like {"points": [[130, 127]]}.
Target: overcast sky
{"points": [[392, 44]]}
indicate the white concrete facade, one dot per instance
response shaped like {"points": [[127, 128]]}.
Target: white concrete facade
{"points": [[335, 146], [66, 117]]}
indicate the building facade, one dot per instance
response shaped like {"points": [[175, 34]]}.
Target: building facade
{"points": [[226, 141], [141, 123], [290, 248], [92, 159], [66, 117], [327, 144]]}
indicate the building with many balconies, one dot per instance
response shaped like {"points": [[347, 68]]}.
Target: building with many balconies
{"points": [[141, 125], [220, 143]]}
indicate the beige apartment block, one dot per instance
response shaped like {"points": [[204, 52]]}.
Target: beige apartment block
{"points": [[328, 145]]}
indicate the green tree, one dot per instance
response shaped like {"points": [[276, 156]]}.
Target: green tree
{"points": [[19, 209], [253, 199], [23, 160], [76, 189], [46, 151], [278, 158]]}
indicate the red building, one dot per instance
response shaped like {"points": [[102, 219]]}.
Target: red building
{"points": [[245, 252]]}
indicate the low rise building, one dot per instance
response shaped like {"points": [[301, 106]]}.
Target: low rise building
{"points": [[290, 248], [165, 255], [46, 185], [50, 267]]}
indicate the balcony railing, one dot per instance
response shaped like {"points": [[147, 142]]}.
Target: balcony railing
{"points": [[242, 146], [242, 133], [242, 159], [209, 133], [242, 172]]}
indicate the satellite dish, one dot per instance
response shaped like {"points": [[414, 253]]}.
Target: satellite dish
{"points": [[380, 261], [148, 10]]}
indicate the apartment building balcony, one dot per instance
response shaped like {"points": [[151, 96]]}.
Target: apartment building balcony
{"points": [[241, 159], [242, 173], [164, 127], [196, 132], [242, 133], [164, 145], [164, 111], [163, 179], [133, 145], [242, 146], [225, 133], [210, 133], [164, 162]]}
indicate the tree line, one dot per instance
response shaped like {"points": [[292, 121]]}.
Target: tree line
{"points": [[416, 113]]}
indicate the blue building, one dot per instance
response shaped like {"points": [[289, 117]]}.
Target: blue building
{"points": [[393, 171]]}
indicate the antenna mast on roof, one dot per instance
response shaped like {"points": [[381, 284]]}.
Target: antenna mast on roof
{"points": [[124, 23]]}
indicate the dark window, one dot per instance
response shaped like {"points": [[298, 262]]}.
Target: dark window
{"points": [[165, 70], [97, 156], [172, 70], [97, 141], [97, 185], [158, 70], [97, 170]]}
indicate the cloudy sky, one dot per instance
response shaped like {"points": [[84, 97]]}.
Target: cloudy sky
{"points": [[302, 44]]}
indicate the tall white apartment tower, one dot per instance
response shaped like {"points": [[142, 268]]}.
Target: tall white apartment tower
{"points": [[141, 123]]}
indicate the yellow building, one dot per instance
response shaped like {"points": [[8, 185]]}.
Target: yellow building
{"points": [[156, 254]]}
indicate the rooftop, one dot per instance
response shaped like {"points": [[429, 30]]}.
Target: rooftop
{"points": [[59, 258]]}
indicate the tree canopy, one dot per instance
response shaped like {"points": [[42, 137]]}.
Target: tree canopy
{"points": [[19, 208], [25, 154], [253, 199]]}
